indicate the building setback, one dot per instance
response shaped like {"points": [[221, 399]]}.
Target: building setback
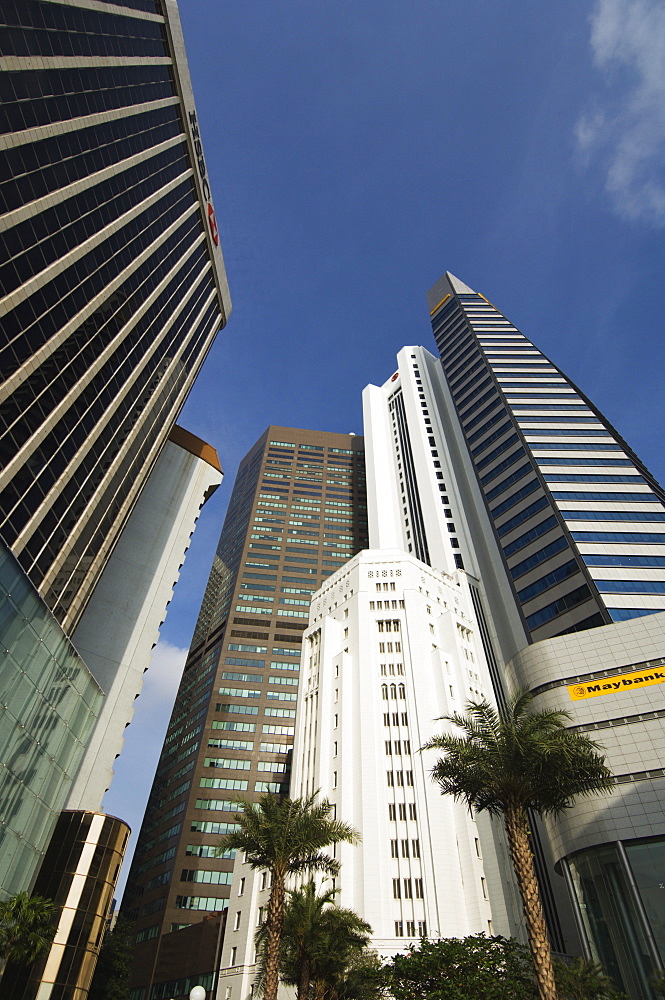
{"points": [[112, 290], [296, 514]]}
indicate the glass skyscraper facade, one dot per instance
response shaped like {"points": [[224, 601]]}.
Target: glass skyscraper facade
{"points": [[50, 705], [297, 513], [578, 518], [112, 283]]}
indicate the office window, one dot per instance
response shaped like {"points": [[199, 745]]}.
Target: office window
{"points": [[402, 810], [264, 880], [399, 928], [241, 886], [234, 952], [408, 889], [419, 888], [410, 928], [416, 848], [389, 747], [405, 719], [405, 849], [384, 692], [391, 778], [391, 810], [236, 922], [412, 810], [386, 718], [396, 889], [422, 928], [409, 778], [394, 853], [260, 916], [400, 778], [483, 885]]}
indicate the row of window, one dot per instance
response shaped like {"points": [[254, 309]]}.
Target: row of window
{"points": [[400, 779], [405, 848], [398, 810], [395, 718], [250, 727], [393, 691], [281, 713], [407, 888], [390, 647]]}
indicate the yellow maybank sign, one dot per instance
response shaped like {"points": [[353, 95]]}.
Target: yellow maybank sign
{"points": [[612, 685]]}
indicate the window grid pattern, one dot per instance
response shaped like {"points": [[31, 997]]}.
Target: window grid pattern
{"points": [[488, 361]]}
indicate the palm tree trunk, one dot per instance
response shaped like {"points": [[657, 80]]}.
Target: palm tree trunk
{"points": [[303, 977], [274, 924], [517, 828]]}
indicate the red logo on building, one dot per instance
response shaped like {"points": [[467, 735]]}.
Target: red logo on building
{"points": [[203, 175], [212, 222]]}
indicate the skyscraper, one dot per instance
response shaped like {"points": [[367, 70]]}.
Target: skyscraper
{"points": [[112, 289], [112, 285], [296, 514], [578, 518], [570, 527]]}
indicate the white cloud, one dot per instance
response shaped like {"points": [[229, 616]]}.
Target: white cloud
{"points": [[163, 676], [625, 130]]}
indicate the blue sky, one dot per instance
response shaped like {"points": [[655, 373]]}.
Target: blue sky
{"points": [[359, 148]]}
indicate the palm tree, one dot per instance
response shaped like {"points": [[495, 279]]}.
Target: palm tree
{"points": [[319, 940], [508, 762], [286, 837], [26, 928]]}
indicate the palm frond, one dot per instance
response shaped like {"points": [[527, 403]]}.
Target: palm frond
{"points": [[519, 756]]}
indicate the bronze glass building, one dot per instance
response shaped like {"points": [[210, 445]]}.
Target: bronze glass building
{"points": [[297, 513]]}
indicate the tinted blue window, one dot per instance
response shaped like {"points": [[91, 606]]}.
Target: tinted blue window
{"points": [[613, 515], [625, 614], [529, 536], [631, 586], [558, 607]]}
